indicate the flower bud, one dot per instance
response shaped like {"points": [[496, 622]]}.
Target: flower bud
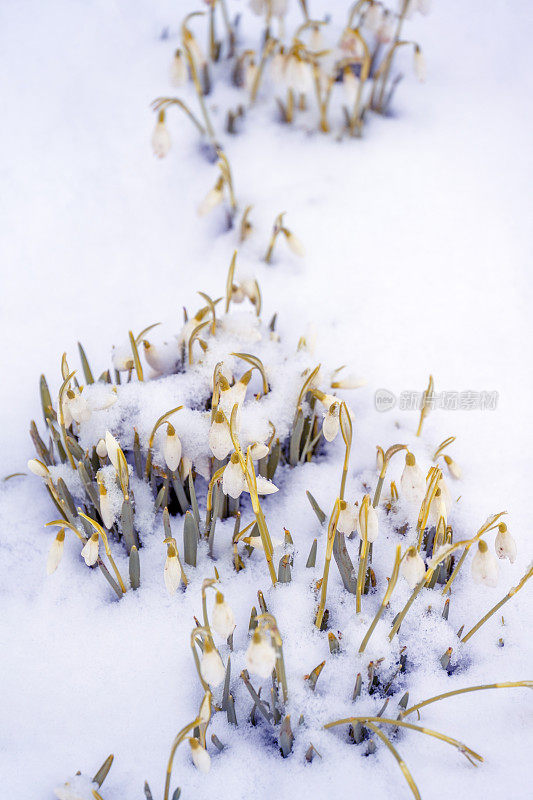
{"points": [[412, 567], [38, 468], [219, 437], [90, 550], [295, 244], [212, 199], [80, 787], [200, 757], [259, 450], [419, 63], [250, 75], [222, 619], [178, 69], [79, 408], [185, 467], [484, 566], [101, 449], [350, 85], [211, 666], [260, 656], [368, 520], [385, 32], [316, 40], [106, 512], [298, 74], [112, 449], [56, 552], [412, 482], [453, 468], [331, 423], [172, 572], [233, 482], [347, 522], [504, 544], [172, 448], [160, 137], [277, 68], [374, 17], [264, 486], [438, 509], [122, 358]]}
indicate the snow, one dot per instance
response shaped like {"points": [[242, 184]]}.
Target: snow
{"points": [[416, 243]]}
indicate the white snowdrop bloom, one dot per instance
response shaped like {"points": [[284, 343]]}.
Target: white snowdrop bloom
{"points": [[453, 468], [80, 787], [55, 553], [38, 468], [101, 449], [233, 481], [369, 520], [264, 486], [161, 141], [220, 437], [331, 423], [79, 408], [351, 46], [258, 451], [222, 619], [112, 449], [385, 32], [316, 39], [237, 294], [257, 543], [412, 567], [106, 512], [298, 74], [204, 714], [484, 566], [185, 467], [412, 482], [187, 330], [438, 508], [172, 572], [212, 199], [350, 85], [379, 460], [250, 75], [295, 244], [90, 550], [260, 656], [154, 357], [200, 757], [327, 400], [122, 358], [374, 17], [419, 63], [446, 496], [347, 522], [350, 382], [172, 448], [67, 416], [504, 544], [211, 666], [178, 69], [277, 68]]}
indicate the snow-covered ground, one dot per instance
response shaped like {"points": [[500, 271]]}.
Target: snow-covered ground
{"points": [[417, 262]]}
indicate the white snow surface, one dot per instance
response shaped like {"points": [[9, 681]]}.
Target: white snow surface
{"points": [[417, 243]]}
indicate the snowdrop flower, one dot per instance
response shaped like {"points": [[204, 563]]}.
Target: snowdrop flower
{"points": [[349, 382], [347, 522], [233, 481], [445, 492], [153, 356], [101, 449], [484, 566], [172, 448], [351, 46], [212, 199], [122, 358], [161, 142], [211, 666], [264, 486], [419, 63], [412, 567], [79, 408], [374, 17], [327, 400], [298, 74], [368, 520], [438, 508], [219, 437], [171, 572], [504, 544], [385, 32], [222, 620], [257, 543], [277, 68], [106, 511], [185, 467], [331, 423], [178, 69], [453, 468], [350, 85], [78, 788], [294, 244], [38, 468], [260, 656], [413, 482], [112, 449], [200, 757], [258, 451], [90, 550], [56, 552], [316, 40], [250, 74]]}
